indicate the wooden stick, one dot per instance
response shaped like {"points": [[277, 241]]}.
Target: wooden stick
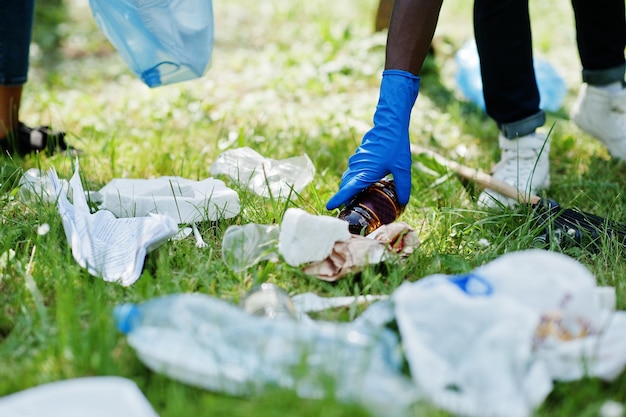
{"points": [[483, 179]]}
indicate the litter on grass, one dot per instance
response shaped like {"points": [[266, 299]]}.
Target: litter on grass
{"points": [[320, 245], [102, 396], [489, 343], [108, 247], [35, 185], [185, 200], [265, 176]]}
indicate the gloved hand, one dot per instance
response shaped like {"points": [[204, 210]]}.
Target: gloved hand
{"points": [[386, 148]]}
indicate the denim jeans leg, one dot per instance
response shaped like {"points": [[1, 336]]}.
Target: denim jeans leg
{"points": [[523, 127], [16, 24]]}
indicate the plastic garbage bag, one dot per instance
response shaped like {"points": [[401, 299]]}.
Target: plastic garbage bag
{"points": [[552, 88], [105, 396], [162, 41]]}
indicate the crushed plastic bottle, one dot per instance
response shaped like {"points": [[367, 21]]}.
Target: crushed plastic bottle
{"points": [[209, 343], [162, 41], [372, 207], [552, 88]]}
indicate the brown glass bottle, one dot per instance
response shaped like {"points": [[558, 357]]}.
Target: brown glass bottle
{"points": [[372, 207]]}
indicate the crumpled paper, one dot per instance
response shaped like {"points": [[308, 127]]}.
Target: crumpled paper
{"points": [[350, 256], [265, 176], [306, 237], [111, 248], [491, 342]]}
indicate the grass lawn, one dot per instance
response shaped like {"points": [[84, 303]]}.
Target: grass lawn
{"points": [[288, 77]]}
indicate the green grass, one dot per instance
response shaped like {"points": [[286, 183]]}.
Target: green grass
{"points": [[287, 78]]}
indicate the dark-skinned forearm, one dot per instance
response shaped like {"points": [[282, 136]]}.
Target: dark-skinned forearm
{"points": [[411, 30]]}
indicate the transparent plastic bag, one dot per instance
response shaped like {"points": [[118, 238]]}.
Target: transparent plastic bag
{"points": [[267, 177], [162, 41]]}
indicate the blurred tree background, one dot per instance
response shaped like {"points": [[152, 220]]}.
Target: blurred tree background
{"points": [[48, 33]]}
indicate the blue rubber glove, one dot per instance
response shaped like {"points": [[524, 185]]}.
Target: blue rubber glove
{"points": [[386, 148]]}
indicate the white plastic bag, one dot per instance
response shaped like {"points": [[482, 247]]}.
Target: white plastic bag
{"points": [[490, 343]]}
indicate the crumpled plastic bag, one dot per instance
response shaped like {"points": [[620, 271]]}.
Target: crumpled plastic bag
{"points": [[491, 342], [266, 177]]}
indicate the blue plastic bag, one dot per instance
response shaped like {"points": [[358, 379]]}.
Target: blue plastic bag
{"points": [[552, 88], [162, 41]]}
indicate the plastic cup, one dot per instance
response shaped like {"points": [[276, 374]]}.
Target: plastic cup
{"points": [[269, 300]]}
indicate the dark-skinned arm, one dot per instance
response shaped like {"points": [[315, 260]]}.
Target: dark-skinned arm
{"points": [[386, 148]]}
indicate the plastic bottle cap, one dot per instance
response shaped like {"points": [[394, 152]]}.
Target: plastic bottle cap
{"points": [[152, 77], [126, 316]]}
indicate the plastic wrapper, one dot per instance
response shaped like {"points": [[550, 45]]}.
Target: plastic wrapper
{"points": [[267, 177]]}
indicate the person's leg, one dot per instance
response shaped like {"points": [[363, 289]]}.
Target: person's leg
{"points": [[16, 21], [601, 38], [504, 42], [600, 108], [16, 24], [10, 98]]}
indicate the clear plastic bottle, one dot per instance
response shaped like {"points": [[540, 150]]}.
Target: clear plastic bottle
{"points": [[372, 207], [212, 344]]}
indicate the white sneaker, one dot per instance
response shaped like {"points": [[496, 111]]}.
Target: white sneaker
{"points": [[524, 164], [602, 114]]}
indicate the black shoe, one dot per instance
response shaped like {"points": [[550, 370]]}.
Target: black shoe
{"points": [[28, 140]]}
